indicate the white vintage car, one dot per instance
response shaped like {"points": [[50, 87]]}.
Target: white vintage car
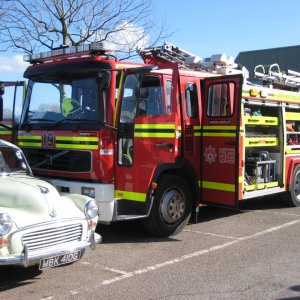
{"points": [[37, 224]]}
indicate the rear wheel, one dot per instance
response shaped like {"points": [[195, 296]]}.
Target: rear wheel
{"points": [[171, 209], [293, 197]]}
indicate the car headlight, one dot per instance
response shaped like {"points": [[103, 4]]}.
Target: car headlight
{"points": [[5, 223], [91, 209]]}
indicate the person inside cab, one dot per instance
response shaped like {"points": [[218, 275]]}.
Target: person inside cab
{"points": [[70, 107]]}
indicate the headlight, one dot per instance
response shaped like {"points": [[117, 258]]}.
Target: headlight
{"points": [[88, 191], [5, 223], [91, 209]]}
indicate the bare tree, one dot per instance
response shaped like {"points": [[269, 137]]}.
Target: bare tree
{"points": [[30, 26]]}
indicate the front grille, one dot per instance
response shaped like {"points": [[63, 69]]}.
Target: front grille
{"points": [[45, 238], [59, 160]]}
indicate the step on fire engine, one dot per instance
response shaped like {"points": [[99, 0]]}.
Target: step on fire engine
{"points": [[155, 141]]}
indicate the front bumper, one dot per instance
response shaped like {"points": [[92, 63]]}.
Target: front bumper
{"points": [[26, 259], [104, 195]]}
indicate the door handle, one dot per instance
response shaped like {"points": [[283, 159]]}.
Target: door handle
{"points": [[165, 145], [230, 143]]}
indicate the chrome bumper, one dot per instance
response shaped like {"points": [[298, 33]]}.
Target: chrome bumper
{"points": [[26, 259]]}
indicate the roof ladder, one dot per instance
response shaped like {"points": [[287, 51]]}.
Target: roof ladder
{"points": [[290, 79], [218, 63], [166, 53]]}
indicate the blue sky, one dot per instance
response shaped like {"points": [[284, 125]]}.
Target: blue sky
{"points": [[207, 27], [218, 26]]}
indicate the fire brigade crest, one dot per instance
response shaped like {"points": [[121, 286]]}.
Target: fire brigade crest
{"points": [[210, 154]]}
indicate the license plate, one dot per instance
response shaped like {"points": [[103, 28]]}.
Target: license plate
{"points": [[54, 261]]}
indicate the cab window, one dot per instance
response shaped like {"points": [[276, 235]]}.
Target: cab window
{"points": [[151, 97], [191, 100], [220, 100]]}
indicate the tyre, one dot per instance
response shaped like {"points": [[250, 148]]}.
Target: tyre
{"points": [[171, 208], [292, 198]]}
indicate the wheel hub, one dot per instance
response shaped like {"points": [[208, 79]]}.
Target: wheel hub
{"points": [[172, 206]]}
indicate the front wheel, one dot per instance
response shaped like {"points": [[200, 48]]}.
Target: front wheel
{"points": [[172, 206], [293, 197]]}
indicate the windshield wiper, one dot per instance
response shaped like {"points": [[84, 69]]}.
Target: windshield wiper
{"points": [[83, 121], [67, 120], [28, 123]]}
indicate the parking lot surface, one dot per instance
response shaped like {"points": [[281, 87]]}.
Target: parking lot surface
{"points": [[249, 254]]}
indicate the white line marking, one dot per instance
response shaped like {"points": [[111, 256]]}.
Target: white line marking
{"points": [[213, 234], [277, 213], [272, 229], [168, 262], [73, 292], [197, 253], [115, 270]]}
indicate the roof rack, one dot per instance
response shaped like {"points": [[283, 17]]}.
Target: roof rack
{"points": [[275, 76], [168, 52]]}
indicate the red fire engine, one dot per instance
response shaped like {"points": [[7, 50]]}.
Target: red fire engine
{"points": [[11, 101], [154, 141]]}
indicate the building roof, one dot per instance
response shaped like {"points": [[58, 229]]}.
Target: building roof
{"points": [[288, 58]]}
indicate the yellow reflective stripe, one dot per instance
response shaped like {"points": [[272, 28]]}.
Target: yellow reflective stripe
{"points": [[79, 146], [29, 137], [154, 135], [273, 94], [155, 126], [154, 130], [218, 186], [292, 116], [77, 138], [24, 144], [30, 140], [228, 134], [140, 197], [291, 150], [261, 186], [263, 141], [197, 130], [260, 120], [75, 142], [222, 131], [5, 132], [219, 128], [219, 131]]}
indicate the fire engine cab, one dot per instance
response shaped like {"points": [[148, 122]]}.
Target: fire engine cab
{"points": [[154, 141]]}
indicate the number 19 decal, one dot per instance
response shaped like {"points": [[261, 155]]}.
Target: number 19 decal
{"points": [[48, 139]]}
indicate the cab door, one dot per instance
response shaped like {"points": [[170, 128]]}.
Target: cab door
{"points": [[221, 157], [147, 132]]}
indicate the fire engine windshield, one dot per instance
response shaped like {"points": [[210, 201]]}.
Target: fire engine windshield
{"points": [[64, 103]]}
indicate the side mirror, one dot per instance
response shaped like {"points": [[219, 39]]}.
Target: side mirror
{"points": [[104, 79]]}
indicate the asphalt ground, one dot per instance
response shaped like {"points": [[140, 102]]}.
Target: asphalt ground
{"points": [[250, 254]]}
